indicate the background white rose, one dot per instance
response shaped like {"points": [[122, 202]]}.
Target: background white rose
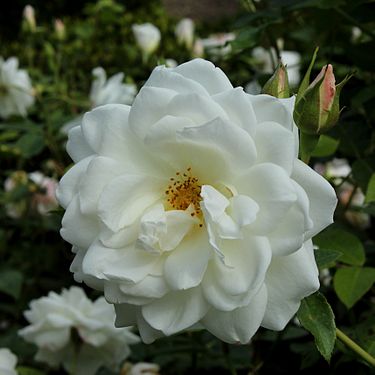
{"points": [[15, 89], [8, 362], [185, 32], [192, 207], [147, 37], [72, 331]]}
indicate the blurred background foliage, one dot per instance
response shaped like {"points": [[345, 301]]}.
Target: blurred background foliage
{"points": [[33, 257]]}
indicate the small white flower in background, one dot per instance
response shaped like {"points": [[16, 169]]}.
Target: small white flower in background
{"points": [[265, 60], [71, 330], [170, 63], [44, 201], [356, 34], [192, 207], [29, 15], [105, 91], [16, 94], [336, 171], [59, 28], [140, 368], [198, 48], [325, 277], [147, 37], [8, 362], [185, 32], [253, 87], [217, 44], [111, 90], [15, 210]]}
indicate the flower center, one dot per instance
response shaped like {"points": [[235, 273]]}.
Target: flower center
{"points": [[184, 190]]}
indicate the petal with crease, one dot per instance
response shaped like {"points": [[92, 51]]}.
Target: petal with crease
{"points": [[239, 325], [289, 279]]}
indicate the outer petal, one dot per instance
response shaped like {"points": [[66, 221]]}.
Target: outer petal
{"points": [[213, 79], [99, 172], [240, 112], [275, 144], [269, 108], [121, 264], [239, 325], [166, 78], [321, 194], [77, 147], [227, 287], [176, 311], [148, 108], [289, 279], [273, 191], [73, 219], [69, 184]]}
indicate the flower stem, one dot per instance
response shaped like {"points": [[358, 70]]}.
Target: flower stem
{"points": [[355, 347]]}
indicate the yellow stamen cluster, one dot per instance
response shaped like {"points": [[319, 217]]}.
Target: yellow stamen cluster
{"points": [[184, 190]]}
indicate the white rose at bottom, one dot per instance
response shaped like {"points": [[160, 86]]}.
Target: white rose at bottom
{"points": [[72, 331], [190, 208], [8, 362]]}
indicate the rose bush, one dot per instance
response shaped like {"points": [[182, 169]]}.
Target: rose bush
{"points": [[191, 207], [72, 331]]}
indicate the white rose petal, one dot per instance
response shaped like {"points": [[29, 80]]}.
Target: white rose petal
{"points": [[52, 320], [8, 362], [16, 94], [191, 207]]}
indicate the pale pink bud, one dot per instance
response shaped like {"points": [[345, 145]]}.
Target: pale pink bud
{"points": [[29, 15], [60, 29]]}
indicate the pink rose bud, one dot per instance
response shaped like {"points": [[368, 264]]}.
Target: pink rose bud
{"points": [[317, 107], [278, 84]]}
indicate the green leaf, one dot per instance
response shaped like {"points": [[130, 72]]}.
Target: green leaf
{"points": [[363, 169], [370, 194], [315, 315], [326, 146], [30, 144], [326, 258], [11, 282], [352, 283], [29, 371], [346, 243]]}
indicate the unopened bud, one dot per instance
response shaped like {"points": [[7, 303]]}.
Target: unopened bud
{"points": [[60, 29], [317, 107], [29, 15], [278, 84]]}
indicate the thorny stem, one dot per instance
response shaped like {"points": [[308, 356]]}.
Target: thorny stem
{"points": [[355, 347]]}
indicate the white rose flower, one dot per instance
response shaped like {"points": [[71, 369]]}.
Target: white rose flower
{"points": [[15, 89], [110, 91], [72, 331], [185, 32], [217, 44], [8, 362], [192, 207], [147, 37]]}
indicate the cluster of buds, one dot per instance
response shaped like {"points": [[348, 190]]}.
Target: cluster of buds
{"points": [[317, 107]]}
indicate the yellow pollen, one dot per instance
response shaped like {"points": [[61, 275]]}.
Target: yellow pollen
{"points": [[184, 190]]}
